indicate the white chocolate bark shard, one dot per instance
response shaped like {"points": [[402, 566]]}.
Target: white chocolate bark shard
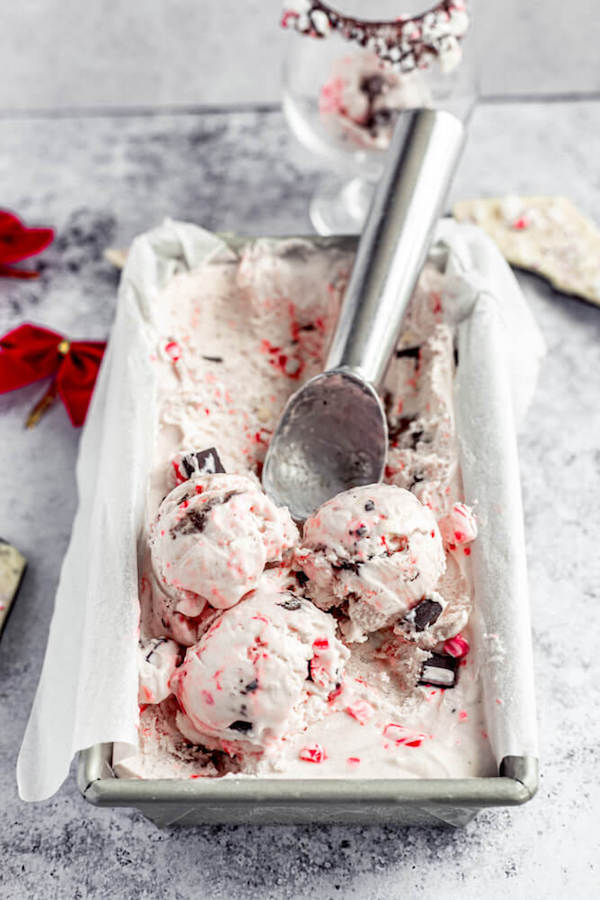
{"points": [[12, 566], [116, 257], [546, 235]]}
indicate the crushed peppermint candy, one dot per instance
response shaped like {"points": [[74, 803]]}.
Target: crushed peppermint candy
{"points": [[403, 736], [361, 711], [458, 527], [314, 754], [404, 43], [456, 646]]}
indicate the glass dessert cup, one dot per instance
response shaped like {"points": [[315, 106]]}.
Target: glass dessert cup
{"points": [[342, 101]]}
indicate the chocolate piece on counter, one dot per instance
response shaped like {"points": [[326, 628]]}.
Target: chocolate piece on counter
{"points": [[241, 726], [217, 359], [440, 671], [12, 566], [425, 614], [202, 462]]}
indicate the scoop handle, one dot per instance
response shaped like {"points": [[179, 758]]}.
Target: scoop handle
{"points": [[425, 149]]}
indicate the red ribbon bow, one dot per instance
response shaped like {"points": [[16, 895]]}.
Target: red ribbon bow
{"points": [[17, 242], [30, 352]]}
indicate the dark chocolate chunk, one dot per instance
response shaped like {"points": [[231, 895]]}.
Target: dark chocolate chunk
{"points": [[291, 603], [369, 506], [302, 578], [399, 426], [218, 359], [373, 85], [195, 519], [202, 462], [425, 614], [417, 477], [440, 670], [347, 564], [250, 687], [241, 726], [415, 437], [155, 643], [379, 117], [409, 352], [309, 676]]}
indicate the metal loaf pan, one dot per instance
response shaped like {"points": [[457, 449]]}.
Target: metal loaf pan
{"points": [[414, 801], [402, 801]]}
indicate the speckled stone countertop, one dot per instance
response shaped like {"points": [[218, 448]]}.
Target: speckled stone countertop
{"points": [[101, 180]]}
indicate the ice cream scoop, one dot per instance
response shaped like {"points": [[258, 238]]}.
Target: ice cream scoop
{"points": [[333, 432], [212, 538], [375, 548], [242, 679]]}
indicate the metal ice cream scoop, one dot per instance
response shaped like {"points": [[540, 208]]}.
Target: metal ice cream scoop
{"points": [[333, 431]]}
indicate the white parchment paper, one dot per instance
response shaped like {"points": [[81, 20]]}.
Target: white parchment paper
{"points": [[88, 687]]}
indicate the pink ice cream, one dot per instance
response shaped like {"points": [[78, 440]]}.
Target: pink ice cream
{"points": [[157, 660], [458, 527], [364, 96], [241, 681], [213, 537], [375, 547]]}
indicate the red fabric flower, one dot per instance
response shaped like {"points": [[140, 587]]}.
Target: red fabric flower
{"points": [[17, 242], [29, 353]]}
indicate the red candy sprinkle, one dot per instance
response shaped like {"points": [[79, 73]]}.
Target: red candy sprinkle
{"points": [[361, 711], [173, 351], [401, 736], [353, 760], [456, 646], [335, 693], [321, 644], [313, 754]]}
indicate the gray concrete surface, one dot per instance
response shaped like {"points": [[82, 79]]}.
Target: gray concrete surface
{"points": [[61, 54], [100, 180]]}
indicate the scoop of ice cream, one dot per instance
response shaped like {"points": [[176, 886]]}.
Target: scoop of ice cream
{"points": [[242, 679], [157, 660], [440, 615], [212, 538], [364, 96], [375, 547]]}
